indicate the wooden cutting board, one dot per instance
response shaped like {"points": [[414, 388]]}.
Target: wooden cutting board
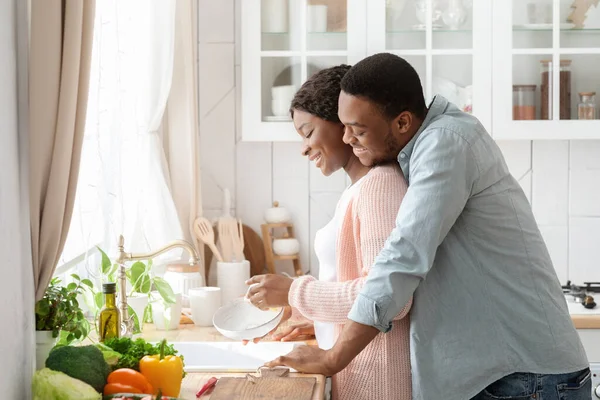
{"points": [[254, 252], [273, 384]]}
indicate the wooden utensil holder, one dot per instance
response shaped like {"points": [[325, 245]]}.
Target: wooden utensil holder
{"points": [[271, 257]]}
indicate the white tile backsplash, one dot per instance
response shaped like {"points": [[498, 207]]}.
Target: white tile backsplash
{"points": [[215, 22], [557, 240], [216, 75], [291, 188], [585, 154], [584, 250], [585, 193], [550, 194], [561, 179]]}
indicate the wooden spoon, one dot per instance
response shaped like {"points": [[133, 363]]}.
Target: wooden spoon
{"points": [[204, 231]]}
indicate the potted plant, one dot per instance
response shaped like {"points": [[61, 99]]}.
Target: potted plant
{"points": [[58, 317]]}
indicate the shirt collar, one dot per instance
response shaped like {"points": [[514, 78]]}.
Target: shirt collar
{"points": [[438, 106]]}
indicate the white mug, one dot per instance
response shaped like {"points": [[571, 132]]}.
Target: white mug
{"points": [[204, 302], [165, 318]]}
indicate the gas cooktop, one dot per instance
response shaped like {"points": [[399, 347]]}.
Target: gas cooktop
{"points": [[582, 294]]}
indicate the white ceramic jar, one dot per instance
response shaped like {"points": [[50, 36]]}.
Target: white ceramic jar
{"points": [[276, 214]]}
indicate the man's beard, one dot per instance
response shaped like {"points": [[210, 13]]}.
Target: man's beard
{"points": [[391, 150]]}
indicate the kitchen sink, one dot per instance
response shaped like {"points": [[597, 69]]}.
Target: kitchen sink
{"points": [[230, 356]]}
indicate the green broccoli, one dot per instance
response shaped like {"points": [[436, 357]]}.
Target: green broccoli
{"points": [[85, 363]]}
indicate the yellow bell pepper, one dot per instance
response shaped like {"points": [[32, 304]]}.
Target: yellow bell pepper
{"points": [[163, 373]]}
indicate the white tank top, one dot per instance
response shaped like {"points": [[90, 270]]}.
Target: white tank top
{"points": [[325, 249]]}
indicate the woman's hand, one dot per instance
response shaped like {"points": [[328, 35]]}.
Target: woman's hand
{"points": [[303, 329], [270, 290], [287, 314]]}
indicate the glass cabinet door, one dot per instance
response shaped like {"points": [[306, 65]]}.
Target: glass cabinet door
{"points": [[283, 43], [551, 50], [447, 41]]}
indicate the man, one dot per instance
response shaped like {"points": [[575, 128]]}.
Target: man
{"points": [[489, 319]]}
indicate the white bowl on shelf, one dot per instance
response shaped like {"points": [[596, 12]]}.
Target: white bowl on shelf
{"points": [[286, 246], [240, 320]]}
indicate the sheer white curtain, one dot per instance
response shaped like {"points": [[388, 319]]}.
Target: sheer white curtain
{"points": [[123, 184]]}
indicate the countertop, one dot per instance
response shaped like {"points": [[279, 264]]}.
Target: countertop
{"points": [[194, 381], [582, 317]]}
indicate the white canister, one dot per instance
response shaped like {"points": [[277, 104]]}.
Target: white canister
{"points": [[204, 302], [182, 277], [316, 19], [276, 214], [274, 16], [231, 278]]}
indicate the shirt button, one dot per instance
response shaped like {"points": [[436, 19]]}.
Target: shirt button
{"points": [[402, 156]]}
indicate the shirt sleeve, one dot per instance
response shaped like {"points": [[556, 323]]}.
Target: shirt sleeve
{"points": [[443, 171]]}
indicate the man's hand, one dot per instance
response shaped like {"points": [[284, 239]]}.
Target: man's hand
{"points": [[270, 290], [307, 359], [353, 339]]}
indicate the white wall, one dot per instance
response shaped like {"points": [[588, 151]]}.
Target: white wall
{"points": [[562, 179], [16, 293]]}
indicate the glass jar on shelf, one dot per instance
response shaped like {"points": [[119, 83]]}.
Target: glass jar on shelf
{"points": [[546, 89], [524, 102], [586, 109]]}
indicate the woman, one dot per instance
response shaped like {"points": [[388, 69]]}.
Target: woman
{"points": [[346, 248]]}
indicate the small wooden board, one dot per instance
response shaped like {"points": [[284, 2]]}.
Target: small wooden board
{"points": [[272, 384]]}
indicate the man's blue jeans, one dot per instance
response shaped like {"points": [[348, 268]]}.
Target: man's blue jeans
{"points": [[521, 386]]}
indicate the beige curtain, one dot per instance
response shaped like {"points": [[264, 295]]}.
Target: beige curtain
{"points": [[59, 67], [180, 126]]}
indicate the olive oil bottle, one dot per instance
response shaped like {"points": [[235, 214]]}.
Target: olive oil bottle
{"points": [[109, 320]]}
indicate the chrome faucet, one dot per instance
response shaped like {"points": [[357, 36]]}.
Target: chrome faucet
{"points": [[127, 323]]}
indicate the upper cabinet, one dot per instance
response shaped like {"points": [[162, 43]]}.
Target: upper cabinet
{"points": [[447, 41], [283, 43], [546, 56], [491, 58]]}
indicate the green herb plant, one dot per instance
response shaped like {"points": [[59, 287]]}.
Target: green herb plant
{"points": [[58, 311]]}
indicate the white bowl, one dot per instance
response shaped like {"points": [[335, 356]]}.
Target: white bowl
{"points": [[286, 246], [240, 320]]}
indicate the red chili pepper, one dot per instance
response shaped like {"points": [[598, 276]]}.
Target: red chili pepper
{"points": [[207, 386]]}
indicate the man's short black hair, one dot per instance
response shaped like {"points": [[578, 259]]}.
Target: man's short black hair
{"points": [[319, 95], [388, 81]]}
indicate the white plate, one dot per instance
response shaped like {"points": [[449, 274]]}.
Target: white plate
{"points": [[240, 320], [542, 27], [275, 118]]}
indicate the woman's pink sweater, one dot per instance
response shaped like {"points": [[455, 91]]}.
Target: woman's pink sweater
{"points": [[382, 369]]}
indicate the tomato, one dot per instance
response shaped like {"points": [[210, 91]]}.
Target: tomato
{"points": [[130, 377], [114, 388]]}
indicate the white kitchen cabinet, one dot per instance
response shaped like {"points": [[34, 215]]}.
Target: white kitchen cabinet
{"points": [[473, 62], [448, 42], [284, 42], [528, 36]]}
